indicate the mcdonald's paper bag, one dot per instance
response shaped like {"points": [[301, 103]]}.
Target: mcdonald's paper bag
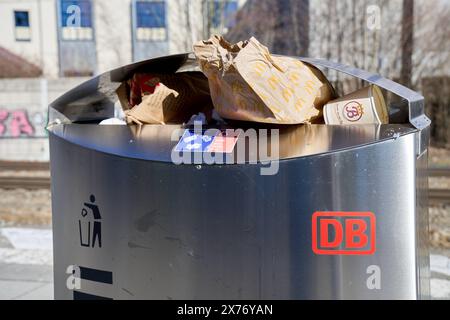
{"points": [[164, 98], [247, 83]]}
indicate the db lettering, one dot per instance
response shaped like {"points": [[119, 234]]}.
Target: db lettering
{"points": [[343, 233]]}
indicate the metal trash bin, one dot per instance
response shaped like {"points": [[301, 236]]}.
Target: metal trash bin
{"points": [[128, 223]]}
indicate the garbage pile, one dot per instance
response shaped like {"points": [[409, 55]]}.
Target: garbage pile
{"points": [[244, 82]]}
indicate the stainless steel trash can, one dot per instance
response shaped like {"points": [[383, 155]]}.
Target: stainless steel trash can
{"points": [[345, 217]]}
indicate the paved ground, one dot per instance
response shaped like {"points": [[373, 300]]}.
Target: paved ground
{"points": [[26, 270], [26, 260]]}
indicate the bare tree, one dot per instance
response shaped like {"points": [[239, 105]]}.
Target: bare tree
{"points": [[282, 25], [110, 41], [256, 18], [407, 41], [292, 27]]}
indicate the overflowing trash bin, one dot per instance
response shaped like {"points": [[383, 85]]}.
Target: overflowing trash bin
{"points": [[234, 209]]}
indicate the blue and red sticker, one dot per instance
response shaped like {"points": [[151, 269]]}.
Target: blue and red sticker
{"points": [[218, 141]]}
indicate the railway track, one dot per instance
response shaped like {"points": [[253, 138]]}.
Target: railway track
{"points": [[24, 166], [439, 172], [436, 196], [29, 183], [45, 166]]}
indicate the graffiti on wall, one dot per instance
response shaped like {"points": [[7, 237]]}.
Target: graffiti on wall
{"points": [[19, 123]]}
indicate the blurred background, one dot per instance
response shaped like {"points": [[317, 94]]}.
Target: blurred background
{"points": [[49, 46]]}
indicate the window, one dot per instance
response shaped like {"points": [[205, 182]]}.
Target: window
{"points": [[151, 14], [76, 19], [222, 14], [22, 26], [21, 19], [70, 13], [151, 21]]}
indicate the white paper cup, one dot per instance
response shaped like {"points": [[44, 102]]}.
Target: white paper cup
{"points": [[365, 106]]}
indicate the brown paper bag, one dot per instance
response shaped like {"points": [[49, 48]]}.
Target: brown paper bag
{"points": [[247, 83], [164, 98]]}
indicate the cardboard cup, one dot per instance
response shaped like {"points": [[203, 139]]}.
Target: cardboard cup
{"points": [[364, 106]]}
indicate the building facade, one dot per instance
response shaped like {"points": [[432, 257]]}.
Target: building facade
{"points": [[86, 37]]}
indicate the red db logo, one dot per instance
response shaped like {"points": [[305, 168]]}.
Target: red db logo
{"points": [[343, 233]]}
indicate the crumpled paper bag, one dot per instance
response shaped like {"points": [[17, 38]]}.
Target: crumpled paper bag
{"points": [[248, 83], [164, 98]]}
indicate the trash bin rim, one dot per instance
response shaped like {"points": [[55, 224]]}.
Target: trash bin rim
{"points": [[186, 61]]}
